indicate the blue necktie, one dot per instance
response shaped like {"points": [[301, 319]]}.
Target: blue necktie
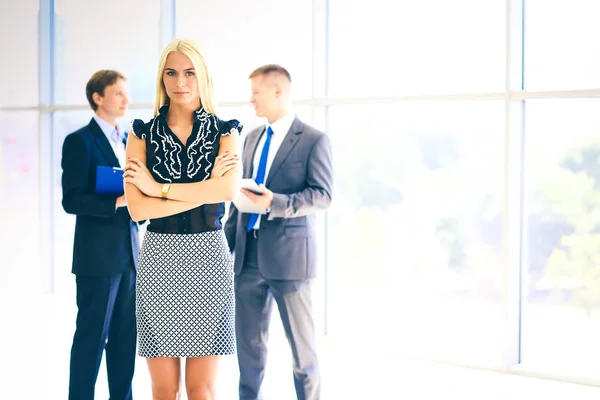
{"points": [[118, 147], [260, 174]]}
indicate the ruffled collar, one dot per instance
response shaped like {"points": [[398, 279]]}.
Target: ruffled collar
{"points": [[199, 113]]}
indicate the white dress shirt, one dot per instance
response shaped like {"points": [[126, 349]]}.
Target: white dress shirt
{"points": [[115, 139], [280, 129]]}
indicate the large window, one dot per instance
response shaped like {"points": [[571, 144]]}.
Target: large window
{"points": [[420, 251], [250, 34], [416, 47], [19, 47], [20, 202], [561, 321], [561, 50], [415, 235], [112, 34]]}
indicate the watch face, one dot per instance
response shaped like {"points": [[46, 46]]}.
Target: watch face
{"points": [[165, 190]]}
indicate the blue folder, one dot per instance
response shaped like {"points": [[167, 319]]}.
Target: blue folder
{"points": [[109, 180]]}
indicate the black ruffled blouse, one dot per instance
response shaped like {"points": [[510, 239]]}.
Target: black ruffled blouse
{"points": [[169, 160]]}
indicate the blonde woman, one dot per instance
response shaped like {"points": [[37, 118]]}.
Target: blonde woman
{"points": [[182, 167]]}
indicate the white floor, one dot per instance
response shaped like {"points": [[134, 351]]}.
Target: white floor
{"points": [[36, 333]]}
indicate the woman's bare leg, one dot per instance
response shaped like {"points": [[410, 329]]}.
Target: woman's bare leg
{"points": [[165, 373], [200, 377]]}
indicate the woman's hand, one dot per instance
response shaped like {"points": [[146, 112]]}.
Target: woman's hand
{"points": [[137, 173], [224, 163]]}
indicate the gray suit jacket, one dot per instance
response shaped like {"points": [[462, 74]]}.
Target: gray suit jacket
{"points": [[301, 178]]}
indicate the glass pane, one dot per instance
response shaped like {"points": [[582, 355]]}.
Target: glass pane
{"points": [[19, 202], [416, 47], [415, 228], [248, 34], [106, 35], [561, 46], [65, 122], [561, 321], [19, 30]]}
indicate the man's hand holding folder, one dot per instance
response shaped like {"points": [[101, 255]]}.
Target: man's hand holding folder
{"points": [[109, 181]]}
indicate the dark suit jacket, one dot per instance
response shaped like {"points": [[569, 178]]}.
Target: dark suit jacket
{"points": [[301, 178], [106, 240]]}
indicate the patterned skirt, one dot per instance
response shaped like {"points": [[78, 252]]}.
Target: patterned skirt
{"points": [[184, 295]]}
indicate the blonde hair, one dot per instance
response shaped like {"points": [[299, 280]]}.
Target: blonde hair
{"points": [[190, 49]]}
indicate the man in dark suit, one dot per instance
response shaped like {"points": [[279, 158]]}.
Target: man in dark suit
{"points": [[276, 252], [106, 246]]}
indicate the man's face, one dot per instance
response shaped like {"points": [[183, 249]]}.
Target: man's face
{"points": [[264, 96], [115, 100]]}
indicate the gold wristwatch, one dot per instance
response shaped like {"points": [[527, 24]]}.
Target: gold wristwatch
{"points": [[165, 190]]}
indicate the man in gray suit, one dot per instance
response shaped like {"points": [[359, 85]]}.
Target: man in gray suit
{"points": [[276, 252]]}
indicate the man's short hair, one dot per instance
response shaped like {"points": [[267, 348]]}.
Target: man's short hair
{"points": [[270, 69], [98, 82]]}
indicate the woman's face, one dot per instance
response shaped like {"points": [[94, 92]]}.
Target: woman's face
{"points": [[179, 78]]}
